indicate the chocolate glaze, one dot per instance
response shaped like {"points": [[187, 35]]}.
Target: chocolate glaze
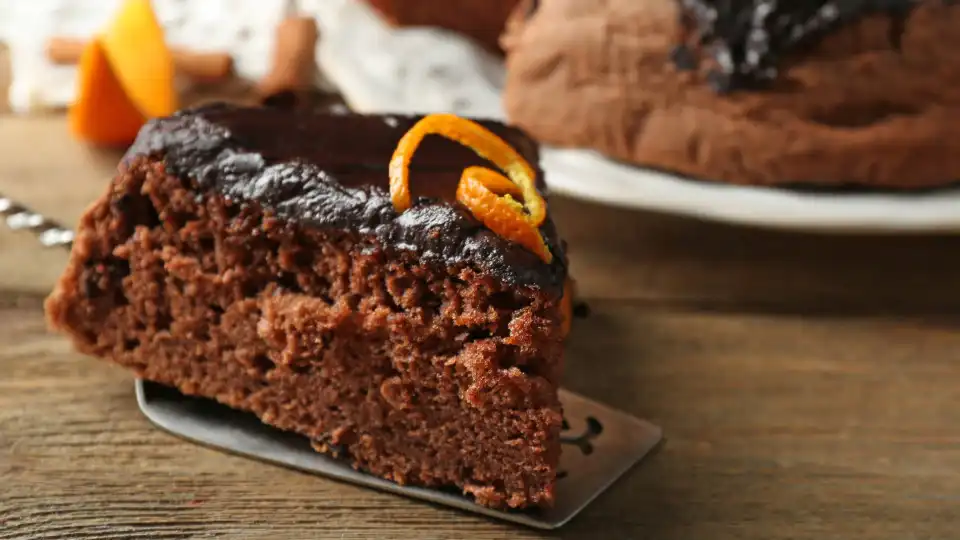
{"points": [[329, 170], [311, 99], [748, 40]]}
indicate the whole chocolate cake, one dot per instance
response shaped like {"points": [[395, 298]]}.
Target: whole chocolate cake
{"points": [[817, 92], [256, 256]]}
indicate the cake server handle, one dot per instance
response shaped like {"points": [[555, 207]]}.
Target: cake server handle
{"points": [[20, 218]]}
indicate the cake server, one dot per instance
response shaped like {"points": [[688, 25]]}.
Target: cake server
{"points": [[600, 444]]}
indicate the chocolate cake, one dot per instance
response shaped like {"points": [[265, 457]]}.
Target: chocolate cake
{"points": [[481, 20], [810, 92], [254, 256]]}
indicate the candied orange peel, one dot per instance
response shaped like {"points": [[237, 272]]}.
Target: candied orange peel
{"points": [[510, 205]]}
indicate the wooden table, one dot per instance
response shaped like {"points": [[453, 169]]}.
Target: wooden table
{"points": [[808, 386]]}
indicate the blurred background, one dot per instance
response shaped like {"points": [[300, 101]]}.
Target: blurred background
{"points": [[799, 347]]}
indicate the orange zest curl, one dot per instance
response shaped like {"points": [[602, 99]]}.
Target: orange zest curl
{"points": [[501, 214], [510, 205]]}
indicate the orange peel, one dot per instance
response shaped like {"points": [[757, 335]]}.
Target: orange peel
{"points": [[126, 76], [510, 206], [102, 113], [501, 214], [140, 58], [480, 140]]}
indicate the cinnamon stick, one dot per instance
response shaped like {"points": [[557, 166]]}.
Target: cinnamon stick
{"points": [[200, 66], [294, 58]]}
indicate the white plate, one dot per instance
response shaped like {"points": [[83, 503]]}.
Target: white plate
{"points": [[380, 69]]}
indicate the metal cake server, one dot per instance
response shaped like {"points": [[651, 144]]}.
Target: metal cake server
{"points": [[600, 444]]}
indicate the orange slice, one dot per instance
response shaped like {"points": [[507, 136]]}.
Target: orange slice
{"points": [[140, 58], [102, 113]]}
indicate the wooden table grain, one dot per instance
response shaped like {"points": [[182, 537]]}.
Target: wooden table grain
{"points": [[808, 386]]}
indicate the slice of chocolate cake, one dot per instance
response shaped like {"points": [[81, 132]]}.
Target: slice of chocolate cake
{"points": [[255, 256]]}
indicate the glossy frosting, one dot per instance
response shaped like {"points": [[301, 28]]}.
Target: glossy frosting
{"points": [[329, 170], [749, 39]]}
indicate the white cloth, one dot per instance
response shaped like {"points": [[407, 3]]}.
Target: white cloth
{"points": [[244, 28]]}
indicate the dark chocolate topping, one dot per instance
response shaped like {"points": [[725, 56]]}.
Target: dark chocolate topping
{"points": [[313, 99], [329, 170], [749, 40]]}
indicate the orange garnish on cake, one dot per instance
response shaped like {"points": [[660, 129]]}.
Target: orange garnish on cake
{"points": [[489, 195]]}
